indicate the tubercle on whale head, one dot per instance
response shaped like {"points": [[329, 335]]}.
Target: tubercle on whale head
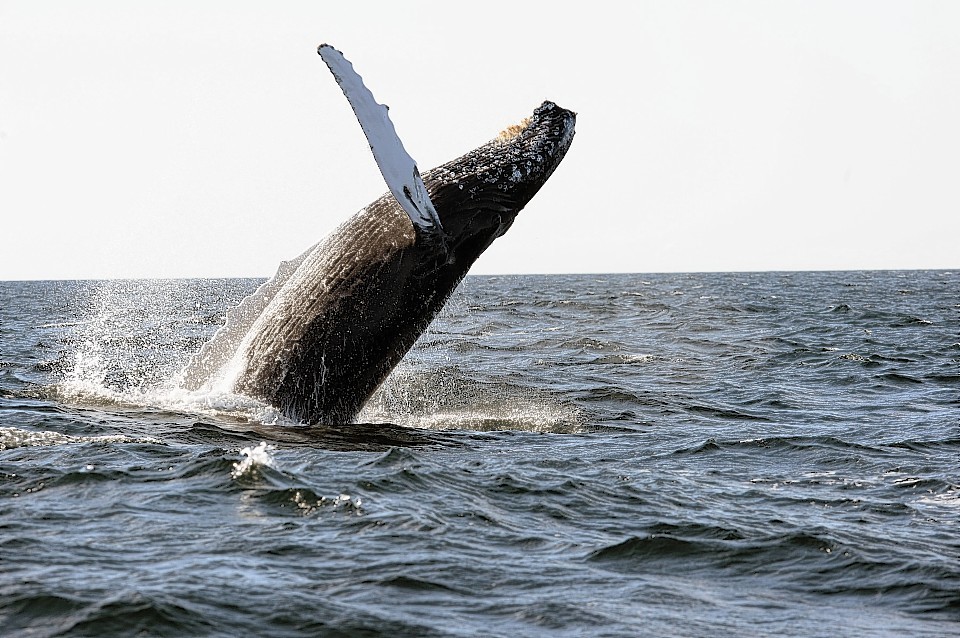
{"points": [[478, 195], [543, 124]]}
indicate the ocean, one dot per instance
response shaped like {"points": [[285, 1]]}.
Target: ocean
{"points": [[726, 454]]}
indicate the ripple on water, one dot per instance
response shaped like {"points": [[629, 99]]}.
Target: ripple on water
{"points": [[760, 454]]}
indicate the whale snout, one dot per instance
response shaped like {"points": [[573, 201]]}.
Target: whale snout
{"points": [[552, 109], [549, 131], [563, 122], [545, 140]]}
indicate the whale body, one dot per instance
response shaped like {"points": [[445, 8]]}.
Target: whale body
{"points": [[317, 339]]}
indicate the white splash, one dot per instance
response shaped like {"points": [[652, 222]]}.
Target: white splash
{"points": [[123, 357], [214, 402], [256, 457], [128, 353]]}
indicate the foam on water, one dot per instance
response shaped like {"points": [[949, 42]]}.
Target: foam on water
{"points": [[445, 399], [124, 355], [11, 438], [80, 390], [255, 458], [309, 504]]}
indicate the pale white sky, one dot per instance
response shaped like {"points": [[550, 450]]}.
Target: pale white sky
{"points": [[171, 139]]}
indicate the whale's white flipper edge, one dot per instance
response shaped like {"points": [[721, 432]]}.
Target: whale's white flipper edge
{"points": [[399, 170]]}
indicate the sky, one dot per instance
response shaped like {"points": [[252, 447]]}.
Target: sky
{"points": [[208, 139]]}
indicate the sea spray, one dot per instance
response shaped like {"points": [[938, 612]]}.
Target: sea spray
{"points": [[125, 351], [446, 398], [130, 348], [132, 340]]}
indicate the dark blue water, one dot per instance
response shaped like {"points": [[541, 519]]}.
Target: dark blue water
{"points": [[622, 455]]}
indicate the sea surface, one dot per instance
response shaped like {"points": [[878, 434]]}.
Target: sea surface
{"points": [[759, 454]]}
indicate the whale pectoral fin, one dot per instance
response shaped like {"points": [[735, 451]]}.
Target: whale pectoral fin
{"points": [[399, 170]]}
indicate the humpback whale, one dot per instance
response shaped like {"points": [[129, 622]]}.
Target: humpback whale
{"points": [[317, 339]]}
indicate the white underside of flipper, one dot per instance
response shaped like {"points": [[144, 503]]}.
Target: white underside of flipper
{"points": [[398, 168]]}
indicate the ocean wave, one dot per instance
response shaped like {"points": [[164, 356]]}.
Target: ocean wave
{"points": [[742, 479]]}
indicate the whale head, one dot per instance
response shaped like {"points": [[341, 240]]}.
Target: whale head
{"points": [[478, 195]]}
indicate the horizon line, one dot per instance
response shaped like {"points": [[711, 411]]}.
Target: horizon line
{"points": [[530, 274]]}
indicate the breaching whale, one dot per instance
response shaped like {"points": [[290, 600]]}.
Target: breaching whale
{"points": [[317, 339]]}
